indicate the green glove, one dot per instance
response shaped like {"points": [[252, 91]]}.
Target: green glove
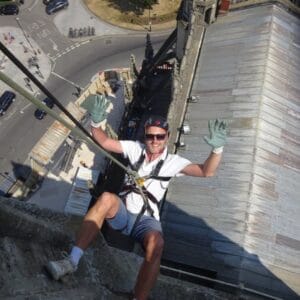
{"points": [[217, 131], [96, 105]]}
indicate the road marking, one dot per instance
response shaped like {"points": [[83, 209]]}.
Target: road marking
{"points": [[44, 34], [65, 79], [33, 5], [54, 46], [68, 49], [26, 106]]}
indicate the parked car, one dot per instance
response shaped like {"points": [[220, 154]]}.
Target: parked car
{"points": [[40, 113], [56, 5], [9, 9], [49, 102], [6, 100], [46, 2]]}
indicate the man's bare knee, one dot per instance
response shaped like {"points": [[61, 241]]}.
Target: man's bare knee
{"points": [[108, 203], [154, 245]]}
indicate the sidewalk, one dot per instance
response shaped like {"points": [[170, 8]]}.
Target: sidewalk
{"points": [[27, 51], [25, 48]]}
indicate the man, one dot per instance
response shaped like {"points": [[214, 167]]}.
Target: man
{"points": [[134, 218]]}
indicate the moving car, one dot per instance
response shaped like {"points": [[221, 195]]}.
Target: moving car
{"points": [[6, 100], [56, 5], [9, 9], [39, 113]]}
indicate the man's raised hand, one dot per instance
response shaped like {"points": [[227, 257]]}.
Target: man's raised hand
{"points": [[217, 135], [97, 106]]}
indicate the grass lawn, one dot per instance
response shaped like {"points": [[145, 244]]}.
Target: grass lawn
{"points": [[122, 13]]}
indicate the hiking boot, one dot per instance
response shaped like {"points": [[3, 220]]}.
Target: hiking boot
{"points": [[60, 268]]}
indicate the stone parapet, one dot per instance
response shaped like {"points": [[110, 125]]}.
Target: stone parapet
{"points": [[30, 236], [183, 77]]}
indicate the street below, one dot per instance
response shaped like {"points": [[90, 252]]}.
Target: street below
{"points": [[69, 63]]}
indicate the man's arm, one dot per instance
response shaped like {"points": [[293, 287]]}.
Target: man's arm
{"points": [[216, 140], [97, 105], [207, 169], [105, 142]]}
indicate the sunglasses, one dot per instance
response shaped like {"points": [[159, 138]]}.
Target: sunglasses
{"points": [[151, 137]]}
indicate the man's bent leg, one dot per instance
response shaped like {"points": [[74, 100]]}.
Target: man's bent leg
{"points": [[153, 243], [106, 206]]}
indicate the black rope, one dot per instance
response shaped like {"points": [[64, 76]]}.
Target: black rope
{"points": [[44, 90]]}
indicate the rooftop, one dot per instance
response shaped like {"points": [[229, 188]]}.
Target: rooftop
{"points": [[248, 73]]}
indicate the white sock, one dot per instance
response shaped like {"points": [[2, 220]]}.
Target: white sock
{"points": [[75, 255]]}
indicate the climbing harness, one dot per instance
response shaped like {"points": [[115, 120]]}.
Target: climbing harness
{"points": [[139, 188]]}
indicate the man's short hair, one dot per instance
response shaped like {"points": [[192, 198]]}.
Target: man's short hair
{"points": [[157, 121]]}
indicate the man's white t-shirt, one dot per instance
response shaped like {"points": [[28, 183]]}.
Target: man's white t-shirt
{"points": [[171, 167]]}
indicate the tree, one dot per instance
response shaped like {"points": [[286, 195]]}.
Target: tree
{"points": [[144, 3]]}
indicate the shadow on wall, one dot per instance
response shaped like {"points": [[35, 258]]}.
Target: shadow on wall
{"points": [[206, 252], [21, 171], [21, 182]]}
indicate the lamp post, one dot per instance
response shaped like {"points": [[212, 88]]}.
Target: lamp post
{"points": [[78, 88], [149, 18]]}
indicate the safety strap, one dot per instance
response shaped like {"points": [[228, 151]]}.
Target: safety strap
{"points": [[139, 162], [155, 172], [132, 188]]}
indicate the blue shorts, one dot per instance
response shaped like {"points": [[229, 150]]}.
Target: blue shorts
{"points": [[123, 221]]}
